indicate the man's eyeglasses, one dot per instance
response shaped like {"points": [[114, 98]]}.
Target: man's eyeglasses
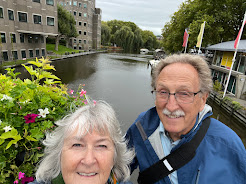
{"points": [[181, 97]]}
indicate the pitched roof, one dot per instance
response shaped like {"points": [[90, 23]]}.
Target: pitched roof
{"points": [[228, 46]]}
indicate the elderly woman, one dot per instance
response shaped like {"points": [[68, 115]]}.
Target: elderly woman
{"points": [[87, 147]]}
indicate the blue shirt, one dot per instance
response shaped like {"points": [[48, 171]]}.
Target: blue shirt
{"points": [[167, 145]]}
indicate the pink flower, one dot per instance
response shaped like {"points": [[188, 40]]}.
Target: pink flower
{"points": [[83, 92], [27, 180], [94, 101], [16, 182], [71, 91], [85, 102], [21, 175], [30, 118]]}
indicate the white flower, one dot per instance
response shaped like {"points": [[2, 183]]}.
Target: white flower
{"points": [[7, 128], [6, 97], [44, 112]]}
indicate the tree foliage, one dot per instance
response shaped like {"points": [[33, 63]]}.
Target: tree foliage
{"points": [[106, 33], [124, 38], [223, 20], [66, 23], [128, 36]]}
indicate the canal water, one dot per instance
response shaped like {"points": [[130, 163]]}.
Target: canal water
{"points": [[123, 80]]}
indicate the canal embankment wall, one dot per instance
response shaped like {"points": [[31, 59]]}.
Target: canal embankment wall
{"points": [[231, 108]]}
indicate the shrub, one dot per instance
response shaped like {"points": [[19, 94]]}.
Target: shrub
{"points": [[29, 108], [217, 86], [236, 105]]}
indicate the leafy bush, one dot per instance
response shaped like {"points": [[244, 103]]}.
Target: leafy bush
{"points": [[236, 105], [29, 108], [217, 86]]}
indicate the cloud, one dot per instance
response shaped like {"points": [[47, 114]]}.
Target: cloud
{"points": [[147, 14]]}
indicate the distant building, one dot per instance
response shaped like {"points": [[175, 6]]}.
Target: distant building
{"points": [[88, 23], [221, 56], [159, 37], [25, 24]]}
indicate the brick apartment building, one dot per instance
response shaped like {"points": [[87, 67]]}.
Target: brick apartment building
{"points": [[25, 25]]}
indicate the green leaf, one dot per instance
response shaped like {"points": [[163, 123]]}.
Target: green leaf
{"points": [[30, 69], [32, 86], [1, 141], [36, 63], [9, 134], [36, 133], [17, 91], [29, 138]]}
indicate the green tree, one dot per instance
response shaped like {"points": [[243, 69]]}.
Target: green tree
{"points": [[105, 33], [66, 24], [124, 38], [149, 40], [137, 40], [223, 20]]}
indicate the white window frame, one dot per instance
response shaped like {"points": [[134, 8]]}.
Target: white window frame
{"points": [[37, 15], [5, 36], [47, 20], [19, 17], [3, 12], [10, 37], [13, 13]]}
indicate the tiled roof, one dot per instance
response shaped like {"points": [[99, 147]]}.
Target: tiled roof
{"points": [[228, 46]]}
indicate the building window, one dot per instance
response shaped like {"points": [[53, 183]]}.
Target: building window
{"points": [[74, 40], [50, 2], [80, 32], [13, 38], [5, 56], [42, 39], [3, 37], [37, 19], [74, 47], [80, 14], [80, 41], [75, 3], [22, 17], [11, 14], [84, 41], [84, 33], [85, 14], [85, 5], [30, 53], [23, 54], [22, 38], [43, 52], [37, 1], [15, 55], [1, 12], [29, 39], [36, 39], [80, 5], [80, 23], [85, 24], [50, 21], [74, 13], [37, 53]]}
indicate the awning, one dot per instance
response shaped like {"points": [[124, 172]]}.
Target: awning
{"points": [[40, 33]]}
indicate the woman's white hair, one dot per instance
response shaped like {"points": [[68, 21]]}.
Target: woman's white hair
{"points": [[100, 117]]}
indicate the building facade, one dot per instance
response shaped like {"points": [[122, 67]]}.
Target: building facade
{"points": [[220, 56], [88, 23], [25, 25]]}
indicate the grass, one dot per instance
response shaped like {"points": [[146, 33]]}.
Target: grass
{"points": [[61, 49]]}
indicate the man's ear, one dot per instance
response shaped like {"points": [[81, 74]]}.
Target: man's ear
{"points": [[203, 101]]}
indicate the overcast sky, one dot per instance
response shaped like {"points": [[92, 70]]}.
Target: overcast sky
{"points": [[146, 14]]}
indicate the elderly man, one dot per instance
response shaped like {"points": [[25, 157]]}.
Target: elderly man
{"points": [[176, 142]]}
